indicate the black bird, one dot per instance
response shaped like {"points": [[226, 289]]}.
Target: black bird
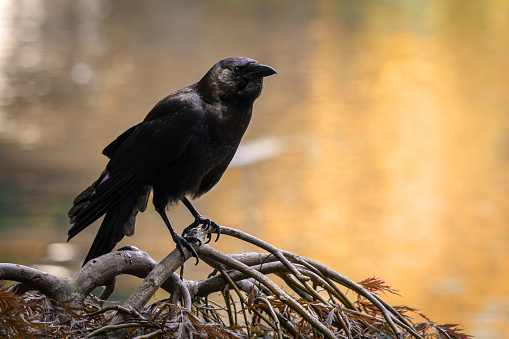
{"points": [[181, 149]]}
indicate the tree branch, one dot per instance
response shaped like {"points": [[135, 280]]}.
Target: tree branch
{"points": [[208, 251], [243, 272], [95, 273]]}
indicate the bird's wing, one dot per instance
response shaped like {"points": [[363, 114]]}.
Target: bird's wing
{"points": [[156, 143], [140, 155], [172, 104], [115, 144]]}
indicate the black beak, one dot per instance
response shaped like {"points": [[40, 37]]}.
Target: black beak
{"points": [[260, 71]]}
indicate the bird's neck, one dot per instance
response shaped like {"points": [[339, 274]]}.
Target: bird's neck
{"points": [[229, 120]]}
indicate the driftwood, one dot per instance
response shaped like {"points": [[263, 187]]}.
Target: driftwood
{"points": [[316, 299]]}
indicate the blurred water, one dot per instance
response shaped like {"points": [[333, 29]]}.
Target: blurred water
{"points": [[380, 148]]}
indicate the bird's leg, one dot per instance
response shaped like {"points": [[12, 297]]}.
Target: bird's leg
{"points": [[181, 242], [199, 220]]}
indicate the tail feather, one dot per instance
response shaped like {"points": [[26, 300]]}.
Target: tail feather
{"points": [[119, 199], [109, 234], [118, 222], [83, 196], [96, 200]]}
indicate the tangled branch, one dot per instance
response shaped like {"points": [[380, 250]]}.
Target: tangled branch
{"points": [[317, 305]]}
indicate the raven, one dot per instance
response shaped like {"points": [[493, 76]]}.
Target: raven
{"points": [[181, 149]]}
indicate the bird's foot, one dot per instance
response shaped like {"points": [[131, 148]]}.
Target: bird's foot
{"points": [[184, 242], [207, 223]]}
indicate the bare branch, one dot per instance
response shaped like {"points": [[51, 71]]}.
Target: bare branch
{"points": [[208, 251], [266, 246], [157, 276], [53, 287], [96, 272], [349, 283], [246, 273]]}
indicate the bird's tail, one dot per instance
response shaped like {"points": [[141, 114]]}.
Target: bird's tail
{"points": [[119, 200], [113, 229]]}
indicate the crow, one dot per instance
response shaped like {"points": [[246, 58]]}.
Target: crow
{"points": [[181, 149]]}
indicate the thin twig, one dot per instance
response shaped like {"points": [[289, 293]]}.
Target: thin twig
{"points": [[226, 297], [115, 327], [274, 316], [150, 335], [241, 298], [339, 294], [352, 285], [117, 308]]}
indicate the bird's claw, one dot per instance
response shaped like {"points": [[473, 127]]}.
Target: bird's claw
{"points": [[184, 242], [207, 223]]}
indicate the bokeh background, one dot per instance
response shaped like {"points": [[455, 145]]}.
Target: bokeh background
{"points": [[380, 149]]}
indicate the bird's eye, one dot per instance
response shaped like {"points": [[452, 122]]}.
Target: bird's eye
{"points": [[235, 70]]}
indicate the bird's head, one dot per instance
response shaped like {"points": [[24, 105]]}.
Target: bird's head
{"points": [[235, 79]]}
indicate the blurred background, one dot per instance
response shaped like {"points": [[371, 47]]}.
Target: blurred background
{"points": [[380, 149]]}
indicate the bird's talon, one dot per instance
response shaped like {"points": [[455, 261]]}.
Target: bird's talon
{"points": [[193, 239], [189, 228], [218, 229], [185, 242], [207, 223]]}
